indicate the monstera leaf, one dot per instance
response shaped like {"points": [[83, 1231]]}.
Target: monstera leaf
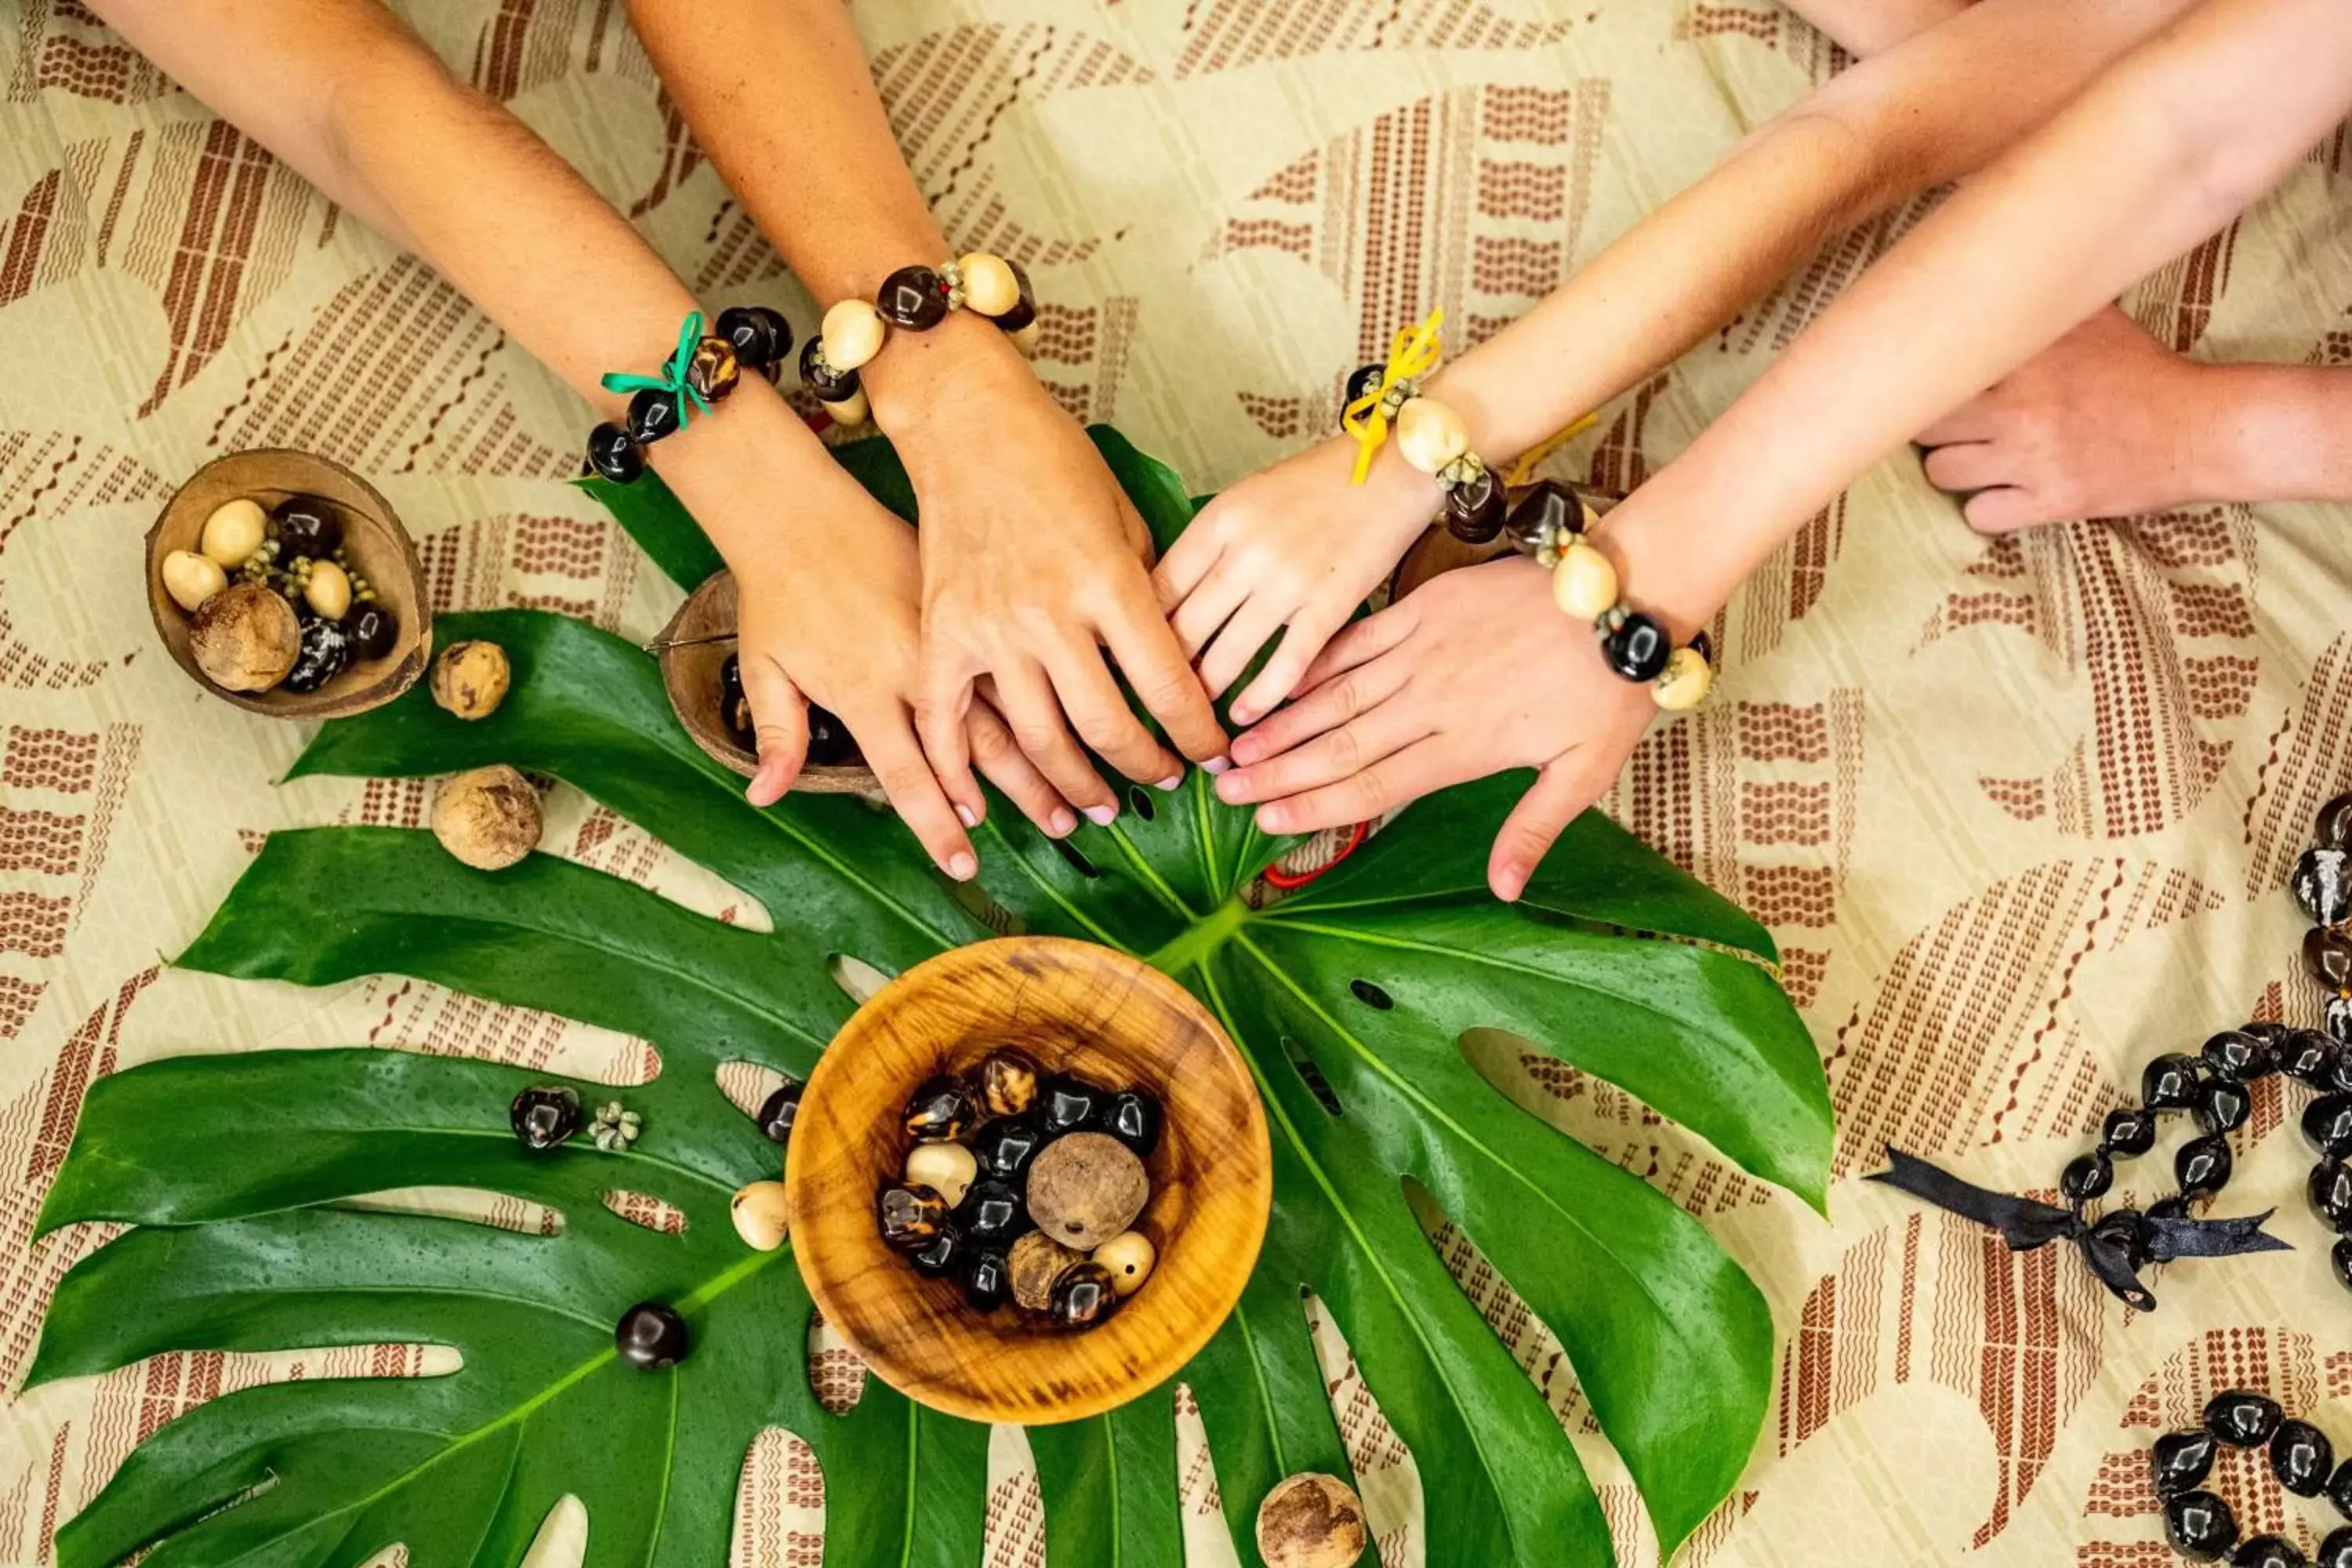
{"points": [[1351, 999]]}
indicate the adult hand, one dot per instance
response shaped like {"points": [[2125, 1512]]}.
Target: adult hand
{"points": [[1475, 672]]}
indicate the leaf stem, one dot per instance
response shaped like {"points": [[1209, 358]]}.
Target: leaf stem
{"points": [[1196, 941]]}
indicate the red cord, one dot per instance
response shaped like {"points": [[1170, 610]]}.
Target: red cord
{"points": [[1286, 881]]}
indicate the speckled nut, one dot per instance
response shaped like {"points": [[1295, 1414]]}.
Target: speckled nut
{"points": [[244, 639], [1085, 1188], [469, 679], [713, 370], [1311, 1520], [191, 578], [328, 590], [1006, 1083], [1035, 1261], [234, 531], [852, 332], [1684, 684], [487, 819], [988, 286], [945, 1168], [757, 1211], [1430, 435], [850, 412], [1584, 585], [1129, 1256]]}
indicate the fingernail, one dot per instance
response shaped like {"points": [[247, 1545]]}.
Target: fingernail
{"points": [[1171, 782], [1270, 819], [1215, 765], [967, 816], [1233, 788], [1241, 713], [1102, 815], [1062, 821], [961, 866], [1509, 883]]}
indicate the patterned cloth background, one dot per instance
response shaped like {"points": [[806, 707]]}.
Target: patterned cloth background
{"points": [[2020, 812]]}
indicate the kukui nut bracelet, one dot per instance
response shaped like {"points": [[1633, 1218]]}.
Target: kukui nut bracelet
{"points": [[916, 300], [702, 370]]}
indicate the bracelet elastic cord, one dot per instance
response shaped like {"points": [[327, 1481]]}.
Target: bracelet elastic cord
{"points": [[701, 371]]}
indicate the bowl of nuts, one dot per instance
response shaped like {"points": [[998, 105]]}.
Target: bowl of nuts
{"points": [[285, 584], [1028, 1180], [704, 682]]}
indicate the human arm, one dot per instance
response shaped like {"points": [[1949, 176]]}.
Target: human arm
{"points": [[1298, 547], [1031, 552]]}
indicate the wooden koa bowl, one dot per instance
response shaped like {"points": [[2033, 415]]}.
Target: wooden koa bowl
{"points": [[379, 548], [690, 676], [1074, 1007]]}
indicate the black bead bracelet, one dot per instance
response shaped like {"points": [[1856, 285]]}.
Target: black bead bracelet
{"points": [[2200, 1525], [703, 370], [914, 300]]}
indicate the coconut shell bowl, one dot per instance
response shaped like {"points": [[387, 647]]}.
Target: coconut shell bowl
{"points": [[695, 647], [1073, 1007], [378, 548]]}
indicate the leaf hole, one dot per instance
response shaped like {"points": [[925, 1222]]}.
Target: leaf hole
{"points": [[1312, 1076], [475, 1206], [1138, 797], [645, 1209], [857, 979], [746, 1085], [1075, 857], [1371, 995], [836, 1376]]}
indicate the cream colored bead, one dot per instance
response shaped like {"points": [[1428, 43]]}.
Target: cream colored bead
{"points": [[947, 1169], [1129, 1256], [1430, 435], [850, 412], [1684, 684], [853, 333], [1027, 338], [191, 578], [234, 531], [759, 1215], [988, 286], [328, 590], [1584, 585]]}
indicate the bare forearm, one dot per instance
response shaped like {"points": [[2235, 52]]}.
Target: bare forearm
{"points": [[2271, 432], [1936, 107]]}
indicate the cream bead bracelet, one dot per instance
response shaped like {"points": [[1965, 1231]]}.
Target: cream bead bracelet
{"points": [[916, 300]]}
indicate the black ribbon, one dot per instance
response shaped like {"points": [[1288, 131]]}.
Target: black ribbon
{"points": [[2027, 1224]]}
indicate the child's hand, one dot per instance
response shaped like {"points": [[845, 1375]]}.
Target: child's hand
{"points": [[1294, 550], [1475, 672], [834, 622]]}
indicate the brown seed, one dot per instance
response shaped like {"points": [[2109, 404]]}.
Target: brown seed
{"points": [[2335, 823], [1085, 1188], [712, 371], [1311, 1520], [469, 679], [488, 818], [1035, 1261], [244, 637], [2328, 953], [1007, 1081]]}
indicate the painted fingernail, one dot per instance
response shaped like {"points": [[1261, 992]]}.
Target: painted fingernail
{"points": [[961, 866], [1233, 788], [1063, 821], [1171, 782], [967, 816], [1215, 765], [1102, 815]]}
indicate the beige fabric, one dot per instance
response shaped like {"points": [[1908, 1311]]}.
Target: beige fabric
{"points": [[2019, 812]]}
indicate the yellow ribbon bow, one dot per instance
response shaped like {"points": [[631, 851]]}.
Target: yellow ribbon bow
{"points": [[1412, 355]]}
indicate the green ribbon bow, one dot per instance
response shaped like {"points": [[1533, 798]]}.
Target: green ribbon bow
{"points": [[672, 378]]}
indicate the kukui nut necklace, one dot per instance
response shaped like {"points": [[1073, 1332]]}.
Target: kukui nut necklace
{"points": [[2200, 1525]]}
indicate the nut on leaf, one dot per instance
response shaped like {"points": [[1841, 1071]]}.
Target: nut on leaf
{"points": [[1085, 1188], [469, 679], [488, 818], [757, 1210], [1311, 1520], [244, 637]]}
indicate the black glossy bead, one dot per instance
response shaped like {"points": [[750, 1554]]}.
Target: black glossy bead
{"points": [[915, 297], [651, 1335], [939, 1108], [2086, 1177], [2201, 1166], [2337, 1078], [2124, 1232], [2307, 1055], [2327, 1124], [372, 631], [2328, 956], [1638, 649], [2339, 1259], [2336, 1017], [1064, 1103], [987, 1279], [2169, 1082], [779, 1109], [2128, 1132], [1084, 1296], [2242, 1418], [939, 1257], [1132, 1117], [325, 653], [2339, 1488], [2200, 1525], [734, 708], [2168, 1208], [761, 337], [1360, 381], [909, 1216], [613, 454], [2268, 1552], [2336, 1550], [1474, 511], [1024, 309], [2301, 1458], [2181, 1460], [830, 745], [544, 1115], [829, 384], [2333, 827], [2322, 882], [2331, 1193], [2270, 1031], [991, 1213], [1546, 514], [306, 526], [2238, 1055], [653, 414], [1005, 1146], [2222, 1104]]}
